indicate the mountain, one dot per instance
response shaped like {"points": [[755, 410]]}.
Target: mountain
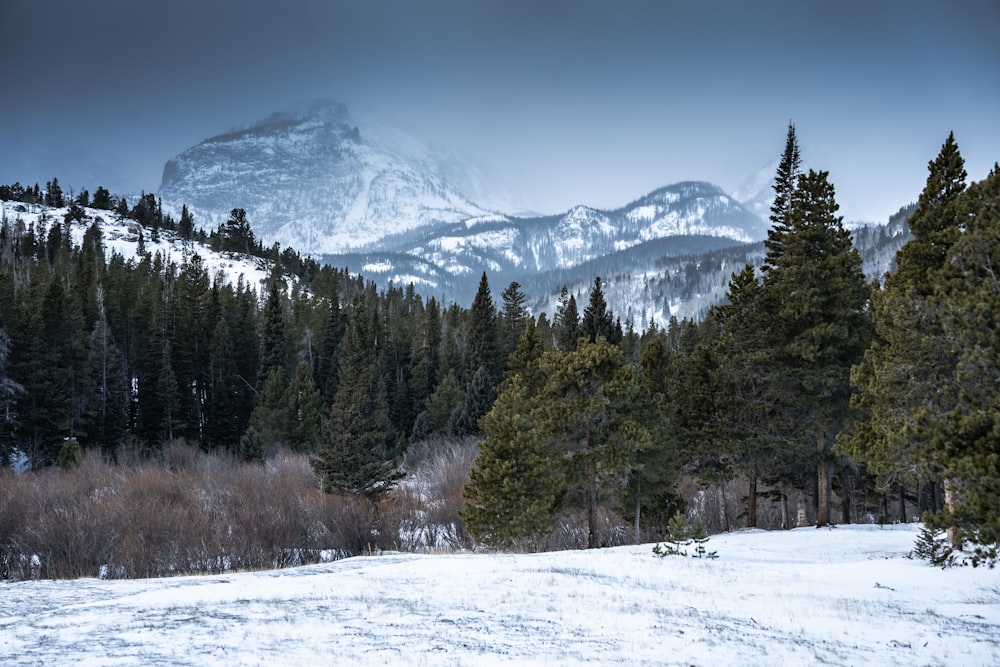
{"points": [[681, 219], [312, 179], [756, 192], [381, 204]]}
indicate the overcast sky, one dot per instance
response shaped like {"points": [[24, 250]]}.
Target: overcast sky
{"points": [[567, 101]]}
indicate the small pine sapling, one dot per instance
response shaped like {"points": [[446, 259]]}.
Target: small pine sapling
{"points": [[681, 534], [932, 546]]}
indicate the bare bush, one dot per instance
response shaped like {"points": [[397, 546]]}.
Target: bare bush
{"points": [[180, 512], [431, 499]]}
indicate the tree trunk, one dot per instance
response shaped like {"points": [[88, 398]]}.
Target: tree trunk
{"points": [[723, 514], [592, 515], [752, 502], [902, 504], [638, 508], [801, 519], [951, 504], [823, 494], [847, 490], [786, 523]]}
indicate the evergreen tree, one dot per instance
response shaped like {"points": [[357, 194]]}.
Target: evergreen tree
{"points": [[817, 298], [354, 453], [908, 371], [597, 319], [567, 322], [967, 438], [273, 354], [269, 421], [54, 194], [515, 316], [102, 199], [303, 411], [785, 182], [514, 485], [482, 348], [589, 414], [222, 406]]}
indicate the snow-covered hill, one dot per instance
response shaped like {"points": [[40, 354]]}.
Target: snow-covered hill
{"points": [[315, 180], [122, 237], [842, 596]]}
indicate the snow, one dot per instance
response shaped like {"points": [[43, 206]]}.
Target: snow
{"points": [[844, 596], [122, 237]]}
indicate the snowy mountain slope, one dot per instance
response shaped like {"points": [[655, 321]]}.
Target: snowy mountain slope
{"points": [[685, 218], [311, 179], [122, 237], [843, 596]]}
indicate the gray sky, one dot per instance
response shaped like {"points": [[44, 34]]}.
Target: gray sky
{"points": [[567, 101]]}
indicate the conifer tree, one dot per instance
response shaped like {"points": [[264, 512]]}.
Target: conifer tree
{"points": [[303, 411], [355, 450], [597, 319], [514, 484], [907, 372], [273, 354], [785, 181], [515, 316], [967, 438], [817, 299], [567, 322], [589, 414], [482, 348]]}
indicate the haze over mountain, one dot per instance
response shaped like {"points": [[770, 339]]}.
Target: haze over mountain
{"points": [[311, 179], [371, 198]]}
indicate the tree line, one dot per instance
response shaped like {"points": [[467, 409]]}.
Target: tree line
{"points": [[806, 383], [818, 390]]}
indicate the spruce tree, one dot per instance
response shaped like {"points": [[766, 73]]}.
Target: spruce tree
{"points": [[515, 316], [966, 438], [907, 374], [355, 449], [303, 411], [514, 484], [597, 319], [567, 322], [817, 298], [785, 181]]}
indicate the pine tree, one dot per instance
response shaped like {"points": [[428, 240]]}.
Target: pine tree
{"points": [[597, 319], [907, 372], [514, 484], [785, 182], [567, 322], [589, 414], [817, 298], [354, 453], [303, 411], [515, 316]]}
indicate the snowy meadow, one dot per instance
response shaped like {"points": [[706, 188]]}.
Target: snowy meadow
{"points": [[842, 596]]}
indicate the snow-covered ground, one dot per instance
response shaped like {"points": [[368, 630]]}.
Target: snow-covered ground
{"points": [[840, 596]]}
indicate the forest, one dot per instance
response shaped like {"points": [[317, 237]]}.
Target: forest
{"points": [[156, 419]]}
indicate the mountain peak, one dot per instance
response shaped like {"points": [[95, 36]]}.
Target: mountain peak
{"points": [[309, 178]]}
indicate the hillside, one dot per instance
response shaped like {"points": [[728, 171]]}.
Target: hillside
{"points": [[844, 596]]}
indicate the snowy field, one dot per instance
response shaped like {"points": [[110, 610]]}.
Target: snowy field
{"points": [[840, 596]]}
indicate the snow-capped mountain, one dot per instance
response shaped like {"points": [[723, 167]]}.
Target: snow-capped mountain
{"points": [[313, 179], [685, 218]]}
